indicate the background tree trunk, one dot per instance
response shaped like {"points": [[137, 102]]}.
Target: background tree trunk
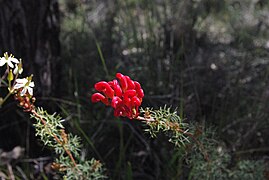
{"points": [[30, 29]]}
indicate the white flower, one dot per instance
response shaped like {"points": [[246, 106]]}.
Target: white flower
{"points": [[9, 60], [17, 69], [26, 84]]}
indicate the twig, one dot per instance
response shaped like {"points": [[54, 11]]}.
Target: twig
{"points": [[3, 77], [7, 96], [56, 138], [11, 174], [145, 119], [266, 149]]}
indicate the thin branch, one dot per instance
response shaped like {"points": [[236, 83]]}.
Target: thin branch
{"points": [[56, 138], [145, 119], [11, 174]]}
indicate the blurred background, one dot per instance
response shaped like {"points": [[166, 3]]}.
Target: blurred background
{"points": [[208, 58]]}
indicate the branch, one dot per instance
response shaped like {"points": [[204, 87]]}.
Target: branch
{"points": [[56, 138]]}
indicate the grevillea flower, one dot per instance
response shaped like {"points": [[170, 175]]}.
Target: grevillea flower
{"points": [[124, 95]]}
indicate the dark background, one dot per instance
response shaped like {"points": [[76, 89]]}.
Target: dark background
{"points": [[208, 58]]}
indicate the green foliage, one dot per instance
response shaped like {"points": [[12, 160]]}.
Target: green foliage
{"points": [[90, 170], [169, 122], [247, 169], [220, 164], [207, 158], [53, 127], [213, 80], [51, 132]]}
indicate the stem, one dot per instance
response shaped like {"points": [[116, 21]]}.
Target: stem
{"points": [[14, 81], [56, 138], [7, 96], [145, 119], [11, 88], [3, 77], [11, 174]]}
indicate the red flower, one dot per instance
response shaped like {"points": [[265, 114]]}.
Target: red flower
{"points": [[125, 95], [105, 88]]}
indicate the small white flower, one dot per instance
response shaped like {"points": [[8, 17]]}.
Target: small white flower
{"points": [[26, 84], [9, 60], [17, 69]]}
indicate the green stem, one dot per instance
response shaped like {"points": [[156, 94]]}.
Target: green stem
{"points": [[3, 77], [7, 96]]}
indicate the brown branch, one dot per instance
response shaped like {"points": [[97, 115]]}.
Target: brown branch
{"points": [[56, 138]]}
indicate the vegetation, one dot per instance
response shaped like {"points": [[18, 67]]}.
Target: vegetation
{"points": [[207, 58]]}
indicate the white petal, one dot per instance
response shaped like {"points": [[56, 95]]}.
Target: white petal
{"points": [[18, 86], [23, 81], [2, 62], [10, 64], [14, 60], [32, 84], [23, 91], [20, 71], [30, 90], [15, 71]]}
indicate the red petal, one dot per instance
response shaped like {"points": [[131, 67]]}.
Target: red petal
{"points": [[123, 81], [120, 111], [131, 84], [140, 93], [127, 96], [137, 85], [118, 91], [116, 101], [136, 101], [105, 88], [115, 85], [129, 93], [96, 97]]}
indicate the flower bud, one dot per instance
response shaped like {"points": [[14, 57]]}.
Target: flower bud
{"points": [[10, 76]]}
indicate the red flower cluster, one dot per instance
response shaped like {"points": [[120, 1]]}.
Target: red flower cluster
{"points": [[124, 95]]}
